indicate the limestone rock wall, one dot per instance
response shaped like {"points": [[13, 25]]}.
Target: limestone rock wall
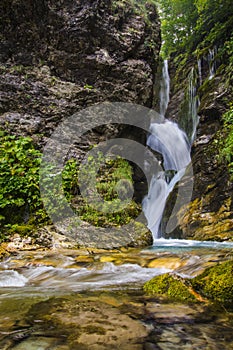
{"points": [[60, 56]]}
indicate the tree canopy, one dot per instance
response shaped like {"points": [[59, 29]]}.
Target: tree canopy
{"points": [[191, 24]]}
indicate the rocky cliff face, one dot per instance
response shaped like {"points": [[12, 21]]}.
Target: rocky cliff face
{"points": [[58, 57], [209, 216]]}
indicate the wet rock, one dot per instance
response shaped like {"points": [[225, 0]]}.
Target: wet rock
{"points": [[94, 324], [3, 251], [134, 234], [167, 262], [212, 185], [198, 223]]}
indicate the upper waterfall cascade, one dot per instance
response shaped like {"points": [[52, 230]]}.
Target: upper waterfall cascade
{"points": [[212, 62], [164, 89], [193, 104]]}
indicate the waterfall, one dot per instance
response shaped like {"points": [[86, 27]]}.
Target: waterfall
{"points": [[174, 145], [199, 70], [167, 139], [164, 89], [212, 62], [193, 103]]}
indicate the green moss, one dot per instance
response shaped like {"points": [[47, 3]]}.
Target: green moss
{"points": [[109, 179], [216, 283], [21, 229], [170, 286]]}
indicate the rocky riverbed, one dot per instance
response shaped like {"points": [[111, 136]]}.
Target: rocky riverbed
{"points": [[93, 299]]}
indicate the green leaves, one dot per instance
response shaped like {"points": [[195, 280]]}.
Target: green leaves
{"points": [[19, 177], [113, 181], [179, 19], [20, 199], [188, 24], [227, 150]]}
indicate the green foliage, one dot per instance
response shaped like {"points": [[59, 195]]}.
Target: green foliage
{"points": [[20, 200], [169, 286], [216, 283], [107, 185], [214, 20], [19, 180], [178, 23], [188, 25], [226, 151], [88, 87]]}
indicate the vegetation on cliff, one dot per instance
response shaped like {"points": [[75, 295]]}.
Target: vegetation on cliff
{"points": [[226, 150], [20, 200]]}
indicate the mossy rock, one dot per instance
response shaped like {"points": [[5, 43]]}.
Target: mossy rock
{"points": [[170, 286], [216, 283]]}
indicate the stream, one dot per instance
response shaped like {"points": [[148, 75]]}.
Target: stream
{"points": [[93, 299], [80, 299]]}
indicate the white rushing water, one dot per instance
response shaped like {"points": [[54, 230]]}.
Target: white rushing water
{"points": [[167, 139], [212, 62], [188, 243], [164, 89], [11, 278], [193, 104], [173, 144], [78, 279], [199, 66]]}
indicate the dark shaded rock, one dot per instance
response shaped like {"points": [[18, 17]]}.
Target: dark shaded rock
{"points": [[80, 54]]}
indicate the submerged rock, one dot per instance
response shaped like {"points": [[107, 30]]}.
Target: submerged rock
{"points": [[89, 323]]}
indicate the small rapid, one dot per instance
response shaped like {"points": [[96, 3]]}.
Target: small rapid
{"points": [[95, 277], [75, 271]]}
